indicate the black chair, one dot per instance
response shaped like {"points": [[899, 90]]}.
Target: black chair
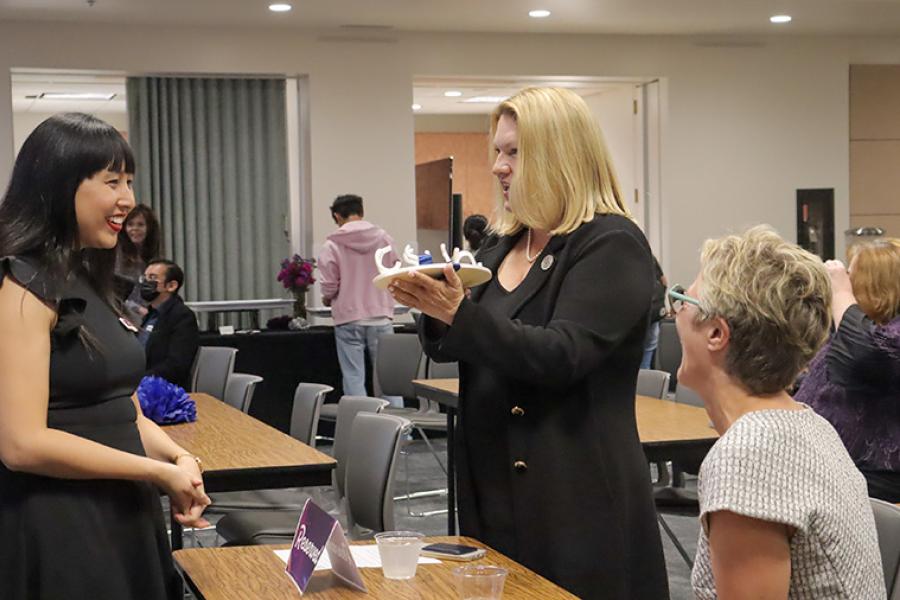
{"points": [[668, 351], [374, 445], [887, 524]]}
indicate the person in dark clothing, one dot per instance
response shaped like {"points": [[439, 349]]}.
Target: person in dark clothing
{"points": [[854, 381], [657, 314], [475, 230], [82, 468], [169, 330], [551, 471]]}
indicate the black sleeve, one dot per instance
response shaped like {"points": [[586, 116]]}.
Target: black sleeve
{"points": [[604, 294], [854, 358], [183, 344]]}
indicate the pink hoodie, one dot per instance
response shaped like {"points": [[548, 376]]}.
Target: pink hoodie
{"points": [[346, 269]]}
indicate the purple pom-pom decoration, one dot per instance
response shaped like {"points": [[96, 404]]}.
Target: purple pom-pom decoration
{"points": [[165, 403]]}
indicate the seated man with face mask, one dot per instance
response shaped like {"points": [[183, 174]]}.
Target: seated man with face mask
{"points": [[169, 331]]}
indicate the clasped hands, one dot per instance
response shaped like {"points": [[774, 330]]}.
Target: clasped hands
{"points": [[183, 483], [439, 299]]}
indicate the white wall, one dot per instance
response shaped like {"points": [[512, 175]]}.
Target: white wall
{"points": [[25, 122], [743, 128], [614, 110]]}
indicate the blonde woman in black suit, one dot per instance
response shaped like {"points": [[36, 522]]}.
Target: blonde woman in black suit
{"points": [[551, 470]]}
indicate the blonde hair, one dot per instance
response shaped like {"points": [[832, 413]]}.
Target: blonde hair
{"points": [[564, 175], [776, 299], [875, 277]]}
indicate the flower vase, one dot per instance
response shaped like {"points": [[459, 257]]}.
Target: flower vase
{"points": [[300, 303]]}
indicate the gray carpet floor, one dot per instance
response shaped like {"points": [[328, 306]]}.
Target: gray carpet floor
{"points": [[423, 473]]}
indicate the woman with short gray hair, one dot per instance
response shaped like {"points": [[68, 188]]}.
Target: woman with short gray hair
{"points": [[783, 510]]}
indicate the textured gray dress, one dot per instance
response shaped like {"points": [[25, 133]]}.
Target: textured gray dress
{"points": [[790, 467]]}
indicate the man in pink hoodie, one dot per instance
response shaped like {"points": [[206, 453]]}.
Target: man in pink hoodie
{"points": [[361, 312]]}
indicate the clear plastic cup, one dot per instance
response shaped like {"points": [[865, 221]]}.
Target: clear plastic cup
{"points": [[399, 551], [477, 582]]}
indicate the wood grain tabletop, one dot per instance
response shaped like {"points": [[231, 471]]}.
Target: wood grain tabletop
{"points": [[255, 572]]}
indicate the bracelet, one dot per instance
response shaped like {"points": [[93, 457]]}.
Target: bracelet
{"points": [[196, 459]]}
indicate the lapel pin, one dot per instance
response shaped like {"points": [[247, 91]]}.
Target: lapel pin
{"points": [[547, 262]]}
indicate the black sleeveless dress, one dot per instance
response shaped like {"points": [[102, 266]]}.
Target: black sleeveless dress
{"points": [[84, 539]]}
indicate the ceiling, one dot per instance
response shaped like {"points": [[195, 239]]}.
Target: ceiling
{"points": [[26, 86], [428, 93], [697, 17]]}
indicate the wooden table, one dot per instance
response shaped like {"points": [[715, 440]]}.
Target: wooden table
{"points": [[241, 453], [255, 572], [668, 430]]}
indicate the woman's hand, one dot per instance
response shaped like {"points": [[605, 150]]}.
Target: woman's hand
{"points": [[842, 296], [439, 299], [840, 278], [183, 484]]}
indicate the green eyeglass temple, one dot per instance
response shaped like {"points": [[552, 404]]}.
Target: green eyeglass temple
{"points": [[677, 292]]}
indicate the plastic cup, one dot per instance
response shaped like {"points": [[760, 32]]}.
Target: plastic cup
{"points": [[399, 551], [476, 582]]}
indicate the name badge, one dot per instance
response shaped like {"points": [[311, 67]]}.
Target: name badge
{"points": [[318, 532]]}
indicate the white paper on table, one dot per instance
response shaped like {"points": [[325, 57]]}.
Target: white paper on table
{"points": [[364, 557]]}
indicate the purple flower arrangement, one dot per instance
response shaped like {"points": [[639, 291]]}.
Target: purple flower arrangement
{"points": [[296, 273], [165, 403]]}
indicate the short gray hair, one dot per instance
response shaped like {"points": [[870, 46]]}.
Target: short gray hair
{"points": [[776, 299]]}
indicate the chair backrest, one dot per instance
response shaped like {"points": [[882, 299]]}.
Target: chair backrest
{"points": [[397, 364], [668, 351], [438, 370], [685, 395], [653, 383], [374, 445], [348, 408], [887, 524], [212, 367], [308, 398], [239, 390]]}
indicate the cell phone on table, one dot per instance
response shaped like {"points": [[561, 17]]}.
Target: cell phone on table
{"points": [[453, 551]]}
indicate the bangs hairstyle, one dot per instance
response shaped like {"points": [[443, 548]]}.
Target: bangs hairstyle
{"points": [[37, 215], [776, 299], [875, 278], [564, 175]]}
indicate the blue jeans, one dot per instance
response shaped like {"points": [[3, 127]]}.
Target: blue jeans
{"points": [[651, 341], [352, 340]]}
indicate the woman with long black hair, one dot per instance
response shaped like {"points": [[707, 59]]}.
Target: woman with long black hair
{"points": [[80, 515]]}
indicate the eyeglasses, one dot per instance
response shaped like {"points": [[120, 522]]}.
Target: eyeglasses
{"points": [[676, 298]]}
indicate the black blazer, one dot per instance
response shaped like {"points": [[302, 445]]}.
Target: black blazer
{"points": [[551, 392], [173, 343]]}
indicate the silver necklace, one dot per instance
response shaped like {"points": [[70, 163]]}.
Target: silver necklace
{"points": [[528, 256]]}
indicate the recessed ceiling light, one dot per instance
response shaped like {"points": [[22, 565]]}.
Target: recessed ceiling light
{"points": [[417, 107], [75, 96], [280, 7], [780, 19], [539, 14], [452, 93], [487, 99]]}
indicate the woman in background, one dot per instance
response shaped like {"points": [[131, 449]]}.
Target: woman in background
{"points": [[80, 516], [138, 245], [784, 513], [551, 471], [854, 382]]}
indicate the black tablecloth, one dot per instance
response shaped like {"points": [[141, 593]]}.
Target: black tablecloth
{"points": [[284, 359]]}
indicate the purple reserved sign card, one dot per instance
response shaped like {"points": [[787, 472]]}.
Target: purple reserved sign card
{"points": [[318, 532]]}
